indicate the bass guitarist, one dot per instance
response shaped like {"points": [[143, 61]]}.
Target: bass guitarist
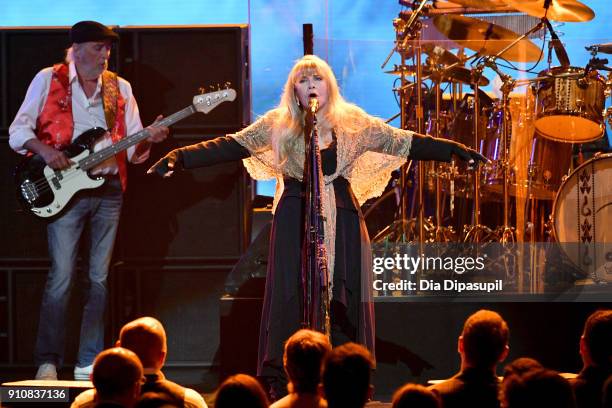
{"points": [[61, 103]]}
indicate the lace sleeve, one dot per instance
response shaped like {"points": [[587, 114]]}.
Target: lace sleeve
{"points": [[378, 150], [386, 139], [256, 139]]}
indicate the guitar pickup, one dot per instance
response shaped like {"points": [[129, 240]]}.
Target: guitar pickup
{"points": [[56, 182]]}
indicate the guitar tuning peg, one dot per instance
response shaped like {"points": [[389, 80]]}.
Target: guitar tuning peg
{"points": [[212, 88], [202, 90], [218, 87], [228, 85]]}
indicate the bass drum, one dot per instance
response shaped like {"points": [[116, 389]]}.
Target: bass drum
{"points": [[582, 214]]}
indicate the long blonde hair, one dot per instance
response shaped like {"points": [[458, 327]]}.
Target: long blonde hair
{"points": [[288, 117]]}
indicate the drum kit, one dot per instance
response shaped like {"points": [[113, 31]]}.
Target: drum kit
{"points": [[529, 191]]}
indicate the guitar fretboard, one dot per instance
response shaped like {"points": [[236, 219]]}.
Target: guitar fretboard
{"points": [[98, 157]]}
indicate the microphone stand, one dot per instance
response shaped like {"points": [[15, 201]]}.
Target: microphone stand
{"points": [[556, 43], [314, 270]]}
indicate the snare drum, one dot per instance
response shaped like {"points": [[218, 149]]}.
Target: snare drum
{"points": [[582, 213], [570, 105]]}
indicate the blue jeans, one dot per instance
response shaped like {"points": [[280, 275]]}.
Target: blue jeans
{"points": [[97, 212]]}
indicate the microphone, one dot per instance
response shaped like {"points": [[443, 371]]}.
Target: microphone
{"points": [[313, 104], [557, 45], [603, 48], [598, 64]]}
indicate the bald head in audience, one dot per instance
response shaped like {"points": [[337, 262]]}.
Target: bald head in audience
{"points": [[117, 376], [147, 338]]}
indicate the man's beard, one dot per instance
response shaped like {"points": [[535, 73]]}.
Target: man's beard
{"points": [[94, 72]]}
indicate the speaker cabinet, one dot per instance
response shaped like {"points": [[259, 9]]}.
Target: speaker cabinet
{"points": [[24, 236], [239, 325], [197, 215], [28, 285], [185, 300], [168, 65], [25, 51]]}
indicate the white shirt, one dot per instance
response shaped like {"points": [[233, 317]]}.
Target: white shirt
{"points": [[86, 114], [87, 399]]}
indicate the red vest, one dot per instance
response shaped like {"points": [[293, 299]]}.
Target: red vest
{"points": [[55, 124]]}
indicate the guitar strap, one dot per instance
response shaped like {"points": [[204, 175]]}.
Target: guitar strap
{"points": [[114, 112]]}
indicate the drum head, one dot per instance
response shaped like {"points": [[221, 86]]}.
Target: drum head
{"points": [[582, 212], [571, 129]]}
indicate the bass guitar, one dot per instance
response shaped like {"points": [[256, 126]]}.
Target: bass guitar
{"points": [[45, 192]]}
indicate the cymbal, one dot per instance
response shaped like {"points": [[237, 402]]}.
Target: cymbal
{"points": [[486, 38], [559, 10], [479, 4], [437, 54], [462, 75], [455, 74]]}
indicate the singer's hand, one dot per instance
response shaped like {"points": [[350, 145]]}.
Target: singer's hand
{"points": [[471, 156], [166, 166]]}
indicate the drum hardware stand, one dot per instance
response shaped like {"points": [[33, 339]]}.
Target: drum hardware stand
{"points": [[441, 233], [608, 91], [404, 33], [449, 234], [476, 232], [420, 129], [411, 31], [505, 233]]}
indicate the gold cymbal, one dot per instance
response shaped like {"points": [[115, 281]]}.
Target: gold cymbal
{"points": [[486, 38], [462, 75], [559, 10], [455, 74], [479, 4], [437, 54]]}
